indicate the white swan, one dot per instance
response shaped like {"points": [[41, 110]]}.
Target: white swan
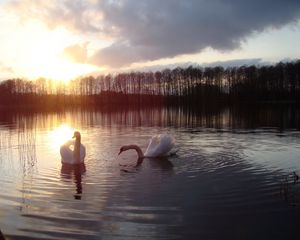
{"points": [[159, 146], [75, 156]]}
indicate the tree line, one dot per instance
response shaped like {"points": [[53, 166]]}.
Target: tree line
{"points": [[191, 85]]}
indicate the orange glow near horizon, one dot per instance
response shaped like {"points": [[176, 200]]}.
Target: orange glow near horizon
{"points": [[39, 53], [61, 70], [46, 61]]}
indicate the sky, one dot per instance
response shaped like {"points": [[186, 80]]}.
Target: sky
{"points": [[63, 39]]}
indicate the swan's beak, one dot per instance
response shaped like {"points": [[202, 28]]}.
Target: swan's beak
{"points": [[121, 150]]}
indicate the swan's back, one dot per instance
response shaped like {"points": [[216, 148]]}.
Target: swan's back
{"points": [[67, 155], [160, 145]]}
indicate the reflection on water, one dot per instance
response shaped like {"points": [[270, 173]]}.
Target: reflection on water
{"points": [[76, 171], [245, 117], [26, 146], [163, 163], [1, 236], [226, 181]]}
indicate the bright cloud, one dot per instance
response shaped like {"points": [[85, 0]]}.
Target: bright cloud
{"points": [[76, 53]]}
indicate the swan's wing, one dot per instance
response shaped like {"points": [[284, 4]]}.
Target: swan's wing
{"points": [[66, 154], [82, 152], [152, 146], [166, 144], [160, 145]]}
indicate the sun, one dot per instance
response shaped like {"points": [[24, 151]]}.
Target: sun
{"points": [[60, 69], [46, 61], [39, 53]]}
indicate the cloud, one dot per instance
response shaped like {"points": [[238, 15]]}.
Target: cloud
{"points": [[149, 30], [224, 64], [237, 63], [76, 53], [76, 15], [6, 72], [5, 69]]}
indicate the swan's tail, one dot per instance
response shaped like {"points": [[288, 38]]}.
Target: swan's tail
{"points": [[160, 145]]}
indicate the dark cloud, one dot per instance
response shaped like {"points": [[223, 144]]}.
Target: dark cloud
{"points": [[148, 30]]}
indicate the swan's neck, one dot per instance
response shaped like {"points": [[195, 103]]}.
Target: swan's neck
{"points": [[137, 149], [76, 151]]}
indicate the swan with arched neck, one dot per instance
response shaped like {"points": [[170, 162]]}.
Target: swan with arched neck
{"points": [[75, 156], [159, 146]]}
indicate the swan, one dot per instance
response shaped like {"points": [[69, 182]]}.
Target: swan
{"points": [[75, 156], [159, 146]]}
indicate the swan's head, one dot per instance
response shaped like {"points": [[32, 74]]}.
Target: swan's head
{"points": [[77, 135], [134, 147], [125, 148], [122, 149]]}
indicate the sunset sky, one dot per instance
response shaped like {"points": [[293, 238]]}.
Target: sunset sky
{"points": [[62, 39]]}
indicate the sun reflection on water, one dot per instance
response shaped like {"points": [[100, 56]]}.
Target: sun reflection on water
{"points": [[60, 135]]}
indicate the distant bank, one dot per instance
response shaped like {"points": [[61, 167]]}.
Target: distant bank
{"points": [[278, 83]]}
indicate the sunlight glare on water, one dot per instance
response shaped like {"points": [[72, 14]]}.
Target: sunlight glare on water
{"points": [[60, 135]]}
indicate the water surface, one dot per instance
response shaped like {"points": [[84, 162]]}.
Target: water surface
{"points": [[227, 179]]}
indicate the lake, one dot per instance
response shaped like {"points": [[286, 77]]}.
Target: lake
{"points": [[232, 176]]}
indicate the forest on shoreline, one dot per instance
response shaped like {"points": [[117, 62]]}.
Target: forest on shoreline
{"points": [[180, 86]]}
